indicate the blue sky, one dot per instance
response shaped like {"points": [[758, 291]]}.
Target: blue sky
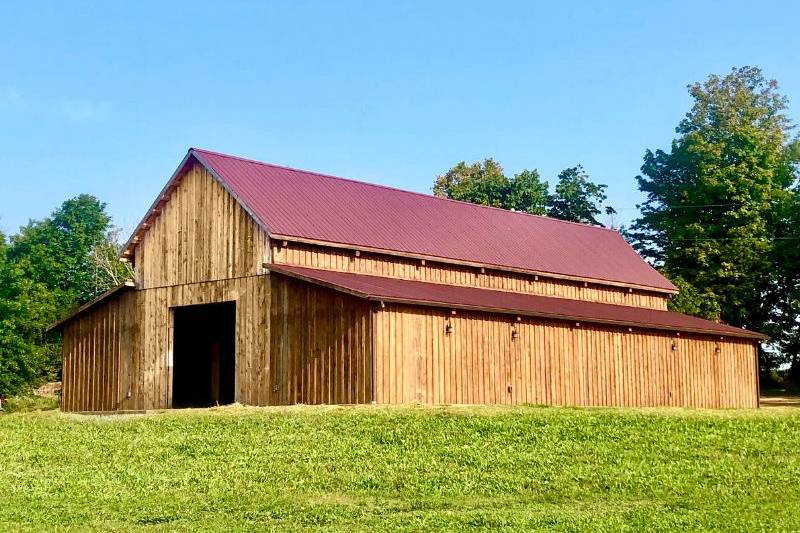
{"points": [[105, 98]]}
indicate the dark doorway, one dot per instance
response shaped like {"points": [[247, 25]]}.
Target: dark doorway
{"points": [[204, 355]]}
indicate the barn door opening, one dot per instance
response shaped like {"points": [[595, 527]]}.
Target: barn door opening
{"points": [[204, 355]]}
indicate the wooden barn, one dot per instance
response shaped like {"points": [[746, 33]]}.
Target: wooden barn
{"points": [[266, 285]]}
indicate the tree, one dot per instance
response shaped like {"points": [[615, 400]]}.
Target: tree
{"points": [[715, 200], [485, 183], [576, 198], [784, 298], [26, 307], [108, 271], [692, 301], [57, 251], [49, 268]]}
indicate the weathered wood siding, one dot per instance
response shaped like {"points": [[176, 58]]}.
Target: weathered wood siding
{"points": [[96, 353], [553, 363], [320, 345], [124, 346], [330, 258], [201, 234]]}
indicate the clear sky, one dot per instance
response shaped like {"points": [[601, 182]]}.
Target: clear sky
{"points": [[106, 97]]}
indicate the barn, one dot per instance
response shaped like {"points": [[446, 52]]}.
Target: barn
{"points": [[267, 285]]}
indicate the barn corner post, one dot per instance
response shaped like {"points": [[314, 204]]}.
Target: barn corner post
{"points": [[757, 350], [373, 351], [170, 355]]}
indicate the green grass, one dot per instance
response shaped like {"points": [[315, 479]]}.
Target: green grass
{"points": [[386, 469], [29, 402]]}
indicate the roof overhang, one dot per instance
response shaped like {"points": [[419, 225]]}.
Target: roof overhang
{"points": [[391, 290], [126, 286]]}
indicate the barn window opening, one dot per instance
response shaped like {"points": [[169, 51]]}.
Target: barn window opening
{"points": [[204, 355]]}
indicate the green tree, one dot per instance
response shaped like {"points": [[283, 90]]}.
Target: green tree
{"points": [[57, 251], [784, 296], [49, 268], [26, 307], [485, 183], [692, 301], [576, 198], [715, 200]]}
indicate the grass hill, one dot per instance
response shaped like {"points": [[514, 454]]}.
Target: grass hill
{"points": [[384, 469]]}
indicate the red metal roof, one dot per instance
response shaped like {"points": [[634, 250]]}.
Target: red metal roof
{"points": [[307, 205], [435, 294]]}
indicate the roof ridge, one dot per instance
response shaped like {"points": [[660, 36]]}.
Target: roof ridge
{"points": [[397, 189]]}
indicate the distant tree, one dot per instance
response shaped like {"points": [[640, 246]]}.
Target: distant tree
{"points": [[715, 200], [528, 193], [576, 198], [57, 251], [26, 307], [46, 270], [485, 183]]}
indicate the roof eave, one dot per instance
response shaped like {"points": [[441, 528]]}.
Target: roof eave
{"points": [[124, 286], [752, 335]]}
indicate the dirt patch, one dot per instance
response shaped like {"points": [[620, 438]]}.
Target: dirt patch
{"points": [[780, 401]]}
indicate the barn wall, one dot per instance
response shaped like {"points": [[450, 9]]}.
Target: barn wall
{"points": [[202, 234], [330, 258], [154, 380], [96, 352], [124, 345], [553, 363], [320, 345]]}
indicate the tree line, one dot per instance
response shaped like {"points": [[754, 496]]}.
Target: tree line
{"points": [[721, 220], [721, 217]]}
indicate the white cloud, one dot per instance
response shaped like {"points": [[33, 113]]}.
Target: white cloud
{"points": [[86, 110], [75, 110], [11, 97]]}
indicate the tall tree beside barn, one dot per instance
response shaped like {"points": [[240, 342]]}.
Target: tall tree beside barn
{"points": [[785, 296], [48, 268], [67, 250], [26, 307], [717, 199]]}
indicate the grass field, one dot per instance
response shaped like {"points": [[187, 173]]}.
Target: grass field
{"points": [[380, 469]]}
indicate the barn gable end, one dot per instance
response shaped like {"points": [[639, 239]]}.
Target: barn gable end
{"points": [[200, 233]]}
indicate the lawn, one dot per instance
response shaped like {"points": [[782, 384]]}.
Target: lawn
{"points": [[381, 469]]}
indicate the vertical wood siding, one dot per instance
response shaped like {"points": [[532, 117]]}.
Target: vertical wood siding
{"points": [[320, 345], [124, 346], [553, 363], [96, 356], [397, 267], [201, 234]]}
